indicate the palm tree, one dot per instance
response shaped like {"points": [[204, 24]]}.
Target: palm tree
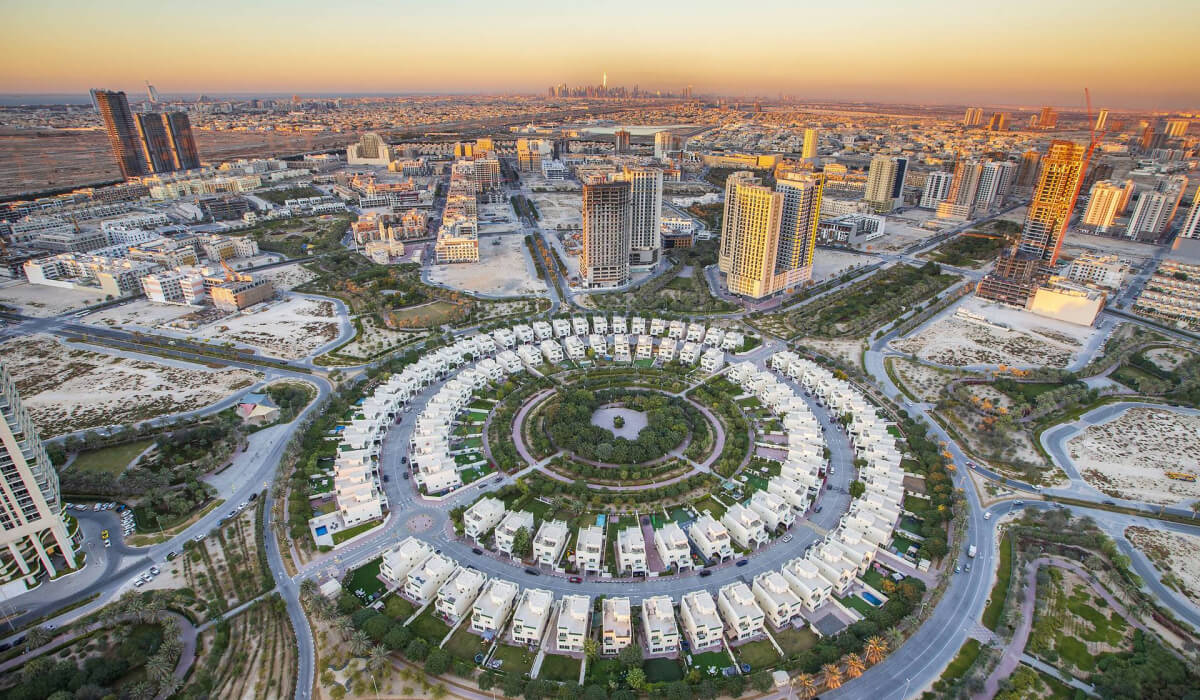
{"points": [[377, 658], [805, 685], [833, 676], [344, 626], [308, 588], [895, 638], [158, 668], [360, 643], [854, 666], [875, 649]]}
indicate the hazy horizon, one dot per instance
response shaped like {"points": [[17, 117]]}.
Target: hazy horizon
{"points": [[927, 51]]}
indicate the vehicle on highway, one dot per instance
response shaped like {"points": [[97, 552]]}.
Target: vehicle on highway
{"points": [[968, 567], [987, 516], [107, 543], [1018, 503], [972, 551], [785, 539]]}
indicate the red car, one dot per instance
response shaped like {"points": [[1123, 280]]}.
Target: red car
{"points": [[575, 579]]}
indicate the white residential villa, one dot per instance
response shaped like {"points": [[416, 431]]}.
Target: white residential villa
{"points": [[574, 620], [616, 625], [424, 581], [491, 608], [456, 596], [672, 545], [743, 618], [631, 551], [506, 531], [701, 624], [589, 550], [531, 616], [659, 626], [776, 598], [550, 541], [482, 517], [403, 558], [745, 527], [711, 538]]}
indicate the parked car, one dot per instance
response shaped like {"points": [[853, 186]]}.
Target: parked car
{"points": [[575, 579], [476, 550], [705, 572], [743, 562], [104, 534], [532, 572]]}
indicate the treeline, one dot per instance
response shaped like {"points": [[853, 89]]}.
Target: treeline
{"points": [[718, 395], [939, 486]]}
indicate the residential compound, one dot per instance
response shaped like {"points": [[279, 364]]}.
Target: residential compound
{"points": [[768, 236], [471, 182], [35, 537]]}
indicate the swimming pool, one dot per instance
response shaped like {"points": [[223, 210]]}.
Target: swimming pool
{"points": [[321, 530], [871, 599]]}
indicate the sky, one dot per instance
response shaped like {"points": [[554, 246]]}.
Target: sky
{"points": [[1131, 55]]}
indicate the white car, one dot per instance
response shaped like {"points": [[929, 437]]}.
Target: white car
{"points": [[987, 516]]}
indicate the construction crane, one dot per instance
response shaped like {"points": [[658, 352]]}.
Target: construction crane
{"points": [[1093, 141], [230, 275]]}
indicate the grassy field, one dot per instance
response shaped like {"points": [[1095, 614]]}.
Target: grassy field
{"points": [[429, 628], [110, 460], [465, 645], [758, 654], [425, 315], [854, 602], [366, 577], [564, 669], [794, 641], [708, 659], [995, 606], [967, 250], [662, 670], [343, 535], [516, 659]]}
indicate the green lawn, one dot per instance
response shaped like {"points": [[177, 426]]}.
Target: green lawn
{"points": [[398, 608], [564, 669], [345, 534], [662, 670], [794, 641], [1074, 652], [708, 659], [647, 362], [962, 661], [465, 645], [856, 603], [429, 628], [110, 460], [991, 614], [710, 504], [902, 543], [758, 654], [516, 659], [366, 577], [474, 442], [874, 579]]}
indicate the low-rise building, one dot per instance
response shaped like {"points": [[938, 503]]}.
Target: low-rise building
{"points": [[482, 517], [743, 618], [458, 594], [403, 558], [631, 551], [423, 581], [774, 510], [531, 616], [659, 626], [745, 527], [506, 531], [574, 621], [492, 606], [701, 624], [776, 598], [711, 538], [589, 550], [616, 625], [672, 545], [550, 541]]}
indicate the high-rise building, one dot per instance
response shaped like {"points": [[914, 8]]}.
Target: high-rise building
{"points": [[1101, 120], [999, 122], [995, 183], [810, 144], [607, 223], [122, 134], [937, 186], [885, 182], [32, 528], [960, 199], [645, 196], [1027, 171], [973, 117], [531, 153], [1048, 118], [1177, 128], [166, 141], [768, 236], [621, 141], [1013, 278], [1191, 225], [1053, 200], [1156, 209], [1106, 202]]}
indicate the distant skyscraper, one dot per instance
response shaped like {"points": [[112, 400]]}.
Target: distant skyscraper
{"points": [[621, 141], [122, 134], [607, 223], [1177, 128], [1053, 200], [1191, 225], [995, 182], [151, 93], [960, 199], [1048, 118], [1101, 120], [31, 522], [973, 117], [646, 186], [95, 102], [768, 236], [885, 182], [999, 122], [937, 186], [1027, 171], [1156, 209], [666, 143], [166, 141], [810, 144]]}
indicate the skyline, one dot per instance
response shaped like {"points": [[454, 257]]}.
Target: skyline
{"points": [[928, 52]]}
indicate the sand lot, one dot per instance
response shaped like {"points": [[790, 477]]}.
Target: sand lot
{"points": [[42, 300], [848, 351], [290, 329], [926, 383], [1168, 358], [289, 276], [831, 263], [1127, 457], [497, 218], [140, 312], [376, 338], [559, 209], [1029, 340], [504, 269], [1175, 554], [67, 388], [1077, 243], [904, 230]]}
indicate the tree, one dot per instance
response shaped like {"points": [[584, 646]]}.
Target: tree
{"points": [[875, 649], [761, 681], [630, 655], [377, 658], [438, 662], [360, 643], [513, 685], [417, 650], [487, 680], [636, 678], [522, 544], [854, 666], [591, 649], [833, 676], [857, 489]]}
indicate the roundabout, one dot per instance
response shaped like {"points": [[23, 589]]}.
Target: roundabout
{"points": [[750, 515]]}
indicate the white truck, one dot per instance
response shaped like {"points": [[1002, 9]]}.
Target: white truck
{"points": [[971, 551]]}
